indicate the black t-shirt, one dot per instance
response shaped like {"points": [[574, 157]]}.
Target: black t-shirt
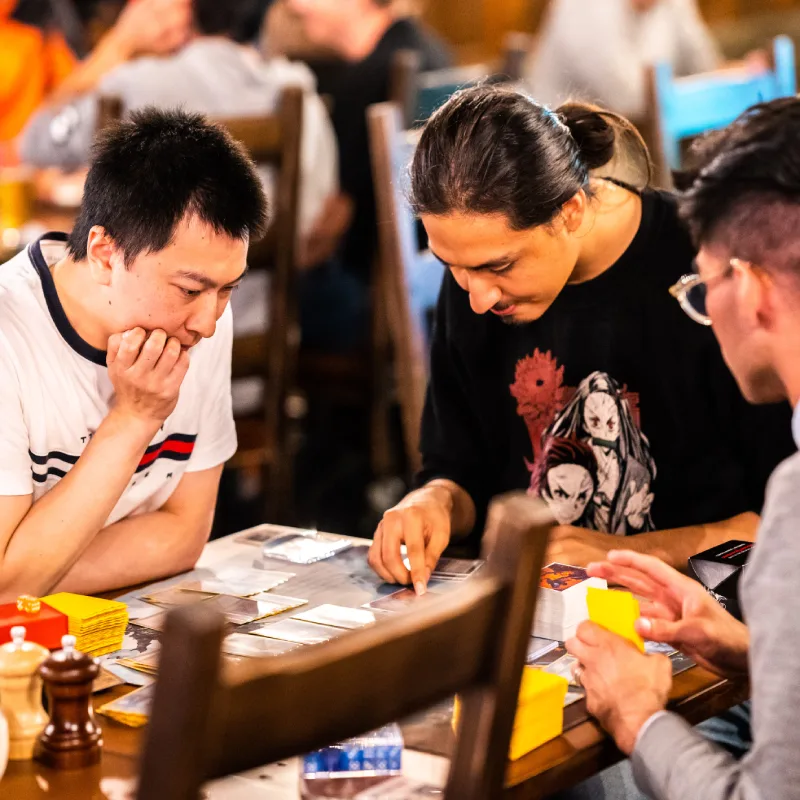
{"points": [[354, 87], [614, 406]]}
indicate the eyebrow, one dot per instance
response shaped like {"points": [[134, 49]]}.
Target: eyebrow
{"points": [[204, 280], [495, 262]]}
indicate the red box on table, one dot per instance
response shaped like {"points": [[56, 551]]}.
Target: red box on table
{"points": [[45, 627]]}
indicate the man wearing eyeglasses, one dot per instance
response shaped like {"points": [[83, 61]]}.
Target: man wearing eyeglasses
{"points": [[743, 207]]}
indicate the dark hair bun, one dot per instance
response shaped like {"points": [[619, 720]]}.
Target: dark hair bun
{"points": [[593, 131]]}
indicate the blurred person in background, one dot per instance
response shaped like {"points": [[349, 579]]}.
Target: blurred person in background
{"points": [[599, 51], [188, 53], [365, 35], [34, 59]]}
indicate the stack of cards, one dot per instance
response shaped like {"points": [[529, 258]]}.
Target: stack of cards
{"points": [[561, 602], [305, 547], [97, 625], [131, 709]]}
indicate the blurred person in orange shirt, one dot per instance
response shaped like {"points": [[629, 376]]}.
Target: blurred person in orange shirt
{"points": [[33, 62]]}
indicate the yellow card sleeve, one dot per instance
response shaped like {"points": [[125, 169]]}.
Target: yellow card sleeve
{"points": [[616, 611]]}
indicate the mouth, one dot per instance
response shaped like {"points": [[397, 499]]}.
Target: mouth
{"points": [[503, 311]]}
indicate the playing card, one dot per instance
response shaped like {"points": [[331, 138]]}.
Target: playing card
{"points": [[263, 580], [176, 596], [245, 644], [239, 610], [242, 588], [305, 548], [154, 622], [263, 533], [131, 709], [560, 577], [105, 680], [458, 568], [400, 600], [295, 630], [338, 616]]}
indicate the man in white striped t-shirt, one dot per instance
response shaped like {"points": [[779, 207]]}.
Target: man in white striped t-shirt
{"points": [[115, 348]]}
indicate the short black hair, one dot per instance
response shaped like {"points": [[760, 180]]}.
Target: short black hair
{"points": [[741, 187], [151, 170], [239, 20]]}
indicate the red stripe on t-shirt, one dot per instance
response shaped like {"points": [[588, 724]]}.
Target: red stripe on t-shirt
{"points": [[167, 446]]}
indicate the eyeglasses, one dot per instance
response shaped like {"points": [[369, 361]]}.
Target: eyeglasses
{"points": [[691, 291]]}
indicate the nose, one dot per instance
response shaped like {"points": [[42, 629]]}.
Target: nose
{"points": [[483, 294], [206, 312]]}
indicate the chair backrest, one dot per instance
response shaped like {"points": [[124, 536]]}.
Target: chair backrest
{"points": [[271, 355], [419, 93], [685, 107], [409, 278], [206, 722]]}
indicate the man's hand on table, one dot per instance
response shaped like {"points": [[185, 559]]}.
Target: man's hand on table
{"points": [[421, 521], [679, 611], [624, 687]]}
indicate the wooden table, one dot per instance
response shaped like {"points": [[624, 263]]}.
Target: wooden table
{"points": [[582, 751]]}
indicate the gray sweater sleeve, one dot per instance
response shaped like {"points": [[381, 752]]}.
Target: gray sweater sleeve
{"points": [[672, 761]]}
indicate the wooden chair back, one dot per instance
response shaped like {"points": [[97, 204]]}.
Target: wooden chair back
{"points": [[271, 355], [684, 107], [410, 278], [206, 722]]}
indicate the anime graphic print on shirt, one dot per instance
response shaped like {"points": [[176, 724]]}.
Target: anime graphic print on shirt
{"points": [[590, 461]]}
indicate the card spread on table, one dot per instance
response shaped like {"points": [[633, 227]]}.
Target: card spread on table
{"points": [[295, 630], [615, 610], [240, 610], [305, 548], [337, 616], [245, 644], [176, 596], [264, 533], [240, 588]]}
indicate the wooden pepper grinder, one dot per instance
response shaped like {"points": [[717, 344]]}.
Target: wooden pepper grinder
{"points": [[72, 738], [21, 692]]}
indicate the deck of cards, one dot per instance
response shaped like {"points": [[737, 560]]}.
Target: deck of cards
{"points": [[561, 602]]}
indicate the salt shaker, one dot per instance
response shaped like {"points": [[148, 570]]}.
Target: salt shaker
{"points": [[72, 738], [21, 693]]}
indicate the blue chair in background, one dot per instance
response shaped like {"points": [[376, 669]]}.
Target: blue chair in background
{"points": [[685, 107], [409, 278]]}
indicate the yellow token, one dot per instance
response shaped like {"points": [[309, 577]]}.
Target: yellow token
{"points": [[28, 604]]}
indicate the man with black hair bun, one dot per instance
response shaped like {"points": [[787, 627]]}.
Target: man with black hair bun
{"points": [[115, 362]]}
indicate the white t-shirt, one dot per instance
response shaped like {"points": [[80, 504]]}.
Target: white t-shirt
{"points": [[55, 392]]}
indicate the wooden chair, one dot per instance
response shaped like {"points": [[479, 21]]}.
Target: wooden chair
{"points": [[684, 107], [420, 93], [206, 722], [266, 437], [410, 278]]}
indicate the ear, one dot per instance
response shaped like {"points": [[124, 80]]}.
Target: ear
{"points": [[573, 211], [755, 294], [102, 255]]}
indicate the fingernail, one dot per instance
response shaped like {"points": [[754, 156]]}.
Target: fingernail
{"points": [[643, 625], [127, 335], [419, 588]]}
